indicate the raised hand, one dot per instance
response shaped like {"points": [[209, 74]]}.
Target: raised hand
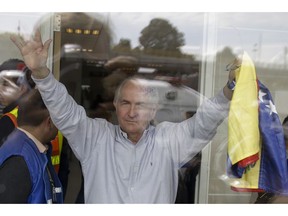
{"points": [[232, 67], [34, 53]]}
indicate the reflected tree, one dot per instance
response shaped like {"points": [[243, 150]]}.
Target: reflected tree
{"points": [[124, 45], [161, 36], [226, 52]]}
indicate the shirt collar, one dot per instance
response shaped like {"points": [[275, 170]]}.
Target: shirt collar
{"points": [[41, 147], [125, 135]]}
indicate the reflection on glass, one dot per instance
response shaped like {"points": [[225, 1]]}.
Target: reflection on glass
{"points": [[166, 48]]}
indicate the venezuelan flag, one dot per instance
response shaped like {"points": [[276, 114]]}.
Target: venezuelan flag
{"points": [[256, 147]]}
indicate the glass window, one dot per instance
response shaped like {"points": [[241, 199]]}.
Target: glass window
{"points": [[183, 54]]}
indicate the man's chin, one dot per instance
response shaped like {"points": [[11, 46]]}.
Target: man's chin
{"points": [[130, 129]]}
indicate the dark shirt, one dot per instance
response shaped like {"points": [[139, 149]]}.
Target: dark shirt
{"points": [[15, 181], [11, 189], [6, 128], [6, 124]]}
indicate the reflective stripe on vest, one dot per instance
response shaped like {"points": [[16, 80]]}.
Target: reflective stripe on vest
{"points": [[13, 114], [56, 150], [56, 143]]}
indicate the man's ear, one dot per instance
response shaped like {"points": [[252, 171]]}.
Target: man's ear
{"points": [[51, 122], [48, 122]]}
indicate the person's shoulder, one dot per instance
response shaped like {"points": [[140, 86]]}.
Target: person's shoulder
{"points": [[17, 140]]}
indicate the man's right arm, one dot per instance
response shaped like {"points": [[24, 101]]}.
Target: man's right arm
{"points": [[63, 109], [69, 117]]}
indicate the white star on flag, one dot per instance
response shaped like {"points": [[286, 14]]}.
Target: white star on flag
{"points": [[261, 95], [272, 107]]}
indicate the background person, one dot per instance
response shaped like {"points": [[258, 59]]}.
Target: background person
{"points": [[26, 171], [16, 83]]}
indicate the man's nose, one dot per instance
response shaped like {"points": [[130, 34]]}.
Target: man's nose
{"points": [[132, 111]]}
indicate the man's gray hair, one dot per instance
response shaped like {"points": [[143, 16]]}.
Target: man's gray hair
{"points": [[150, 90]]}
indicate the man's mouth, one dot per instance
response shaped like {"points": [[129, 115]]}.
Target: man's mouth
{"points": [[129, 121]]}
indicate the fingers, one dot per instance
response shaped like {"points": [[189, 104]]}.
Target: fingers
{"points": [[18, 41], [47, 44], [37, 36]]}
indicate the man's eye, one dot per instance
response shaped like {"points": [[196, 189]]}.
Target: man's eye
{"points": [[142, 105]]}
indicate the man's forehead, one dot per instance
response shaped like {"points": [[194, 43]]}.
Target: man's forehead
{"points": [[140, 85], [135, 95]]}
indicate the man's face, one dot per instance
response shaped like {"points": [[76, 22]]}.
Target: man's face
{"points": [[9, 90], [134, 112]]}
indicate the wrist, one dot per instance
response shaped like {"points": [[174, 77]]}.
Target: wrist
{"points": [[231, 84], [41, 73]]}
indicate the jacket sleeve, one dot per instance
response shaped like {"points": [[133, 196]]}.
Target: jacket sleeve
{"points": [[189, 137], [69, 117]]}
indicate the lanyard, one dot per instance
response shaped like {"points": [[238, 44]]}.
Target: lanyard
{"points": [[53, 189]]}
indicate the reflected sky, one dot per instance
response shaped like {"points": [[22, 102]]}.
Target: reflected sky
{"points": [[263, 35]]}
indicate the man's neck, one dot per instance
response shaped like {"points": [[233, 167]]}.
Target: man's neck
{"points": [[134, 138]]}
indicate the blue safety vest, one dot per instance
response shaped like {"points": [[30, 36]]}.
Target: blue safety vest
{"points": [[43, 189]]}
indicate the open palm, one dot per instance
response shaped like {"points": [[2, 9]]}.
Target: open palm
{"points": [[34, 52]]}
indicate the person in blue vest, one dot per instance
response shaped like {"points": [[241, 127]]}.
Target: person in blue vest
{"points": [[26, 171], [15, 83]]}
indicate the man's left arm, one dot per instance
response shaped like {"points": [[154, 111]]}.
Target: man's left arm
{"points": [[189, 137]]}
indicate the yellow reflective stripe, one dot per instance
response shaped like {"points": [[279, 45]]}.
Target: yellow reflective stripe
{"points": [[15, 112], [60, 140], [55, 159]]}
